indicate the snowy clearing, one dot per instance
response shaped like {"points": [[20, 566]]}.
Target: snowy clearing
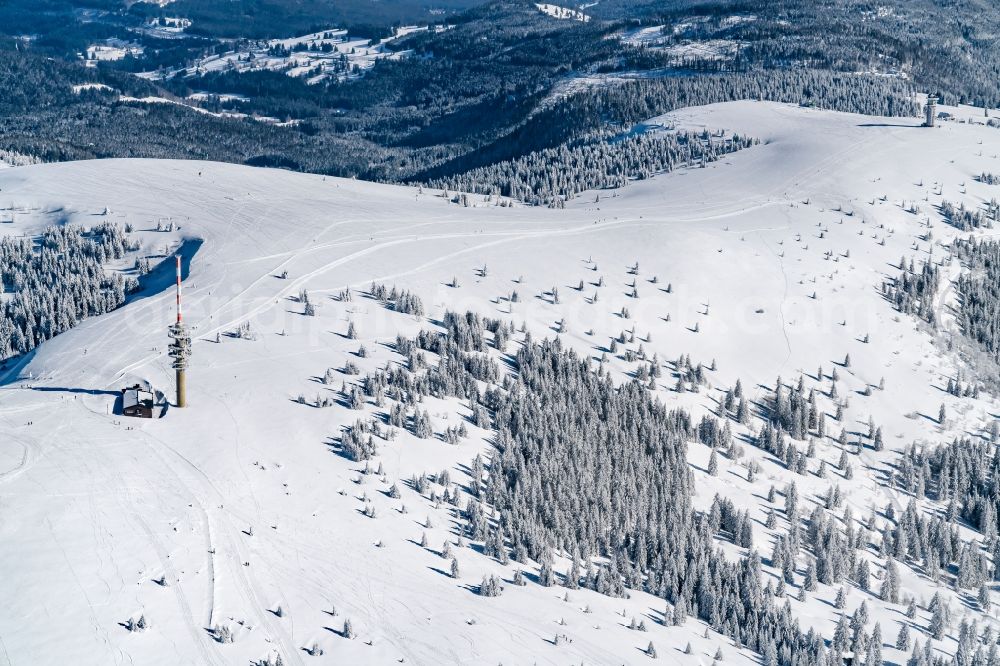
{"points": [[113, 49], [768, 263], [555, 11], [315, 57]]}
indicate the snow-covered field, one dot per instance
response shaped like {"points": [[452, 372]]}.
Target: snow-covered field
{"points": [[711, 49], [83, 87], [655, 37], [774, 255], [316, 56], [559, 12], [645, 36], [167, 27], [112, 49]]}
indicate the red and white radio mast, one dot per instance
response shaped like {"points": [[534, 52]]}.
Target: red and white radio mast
{"points": [[180, 348]]}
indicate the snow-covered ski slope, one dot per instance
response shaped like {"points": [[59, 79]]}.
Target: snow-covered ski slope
{"points": [[239, 505]]}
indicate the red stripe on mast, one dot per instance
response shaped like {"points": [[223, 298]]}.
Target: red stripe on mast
{"points": [[179, 289]]}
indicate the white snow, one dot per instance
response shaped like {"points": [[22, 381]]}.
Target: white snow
{"points": [[204, 96], [317, 56], [112, 49], [79, 88], [709, 49], [10, 158], [559, 12], [655, 37], [170, 27], [153, 99], [96, 507], [643, 36]]}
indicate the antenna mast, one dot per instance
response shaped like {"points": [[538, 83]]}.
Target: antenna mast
{"points": [[930, 109], [180, 348]]}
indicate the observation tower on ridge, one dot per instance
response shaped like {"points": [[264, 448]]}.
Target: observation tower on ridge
{"points": [[180, 348]]}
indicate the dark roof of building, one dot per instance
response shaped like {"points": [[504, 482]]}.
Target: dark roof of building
{"points": [[136, 396]]}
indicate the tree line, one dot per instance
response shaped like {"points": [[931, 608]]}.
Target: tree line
{"points": [[56, 281]]}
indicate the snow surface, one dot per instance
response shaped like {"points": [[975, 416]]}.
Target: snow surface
{"points": [[647, 35], [314, 63], [151, 99], [113, 49], [172, 27], [559, 12], [239, 502], [79, 88], [658, 38]]}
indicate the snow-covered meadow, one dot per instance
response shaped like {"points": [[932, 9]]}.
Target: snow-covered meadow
{"points": [[766, 264], [315, 57], [562, 13]]}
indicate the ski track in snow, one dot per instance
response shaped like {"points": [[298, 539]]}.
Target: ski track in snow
{"points": [[198, 635], [232, 546]]}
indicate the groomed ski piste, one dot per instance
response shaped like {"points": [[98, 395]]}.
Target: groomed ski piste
{"points": [[239, 511]]}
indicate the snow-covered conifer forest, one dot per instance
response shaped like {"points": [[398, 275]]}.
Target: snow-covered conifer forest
{"points": [[520, 333]]}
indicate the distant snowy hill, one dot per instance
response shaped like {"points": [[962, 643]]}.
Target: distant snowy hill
{"points": [[244, 516]]}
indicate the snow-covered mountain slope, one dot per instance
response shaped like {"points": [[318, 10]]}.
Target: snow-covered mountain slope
{"points": [[770, 262]]}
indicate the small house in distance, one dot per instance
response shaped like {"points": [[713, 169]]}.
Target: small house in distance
{"points": [[138, 402]]}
